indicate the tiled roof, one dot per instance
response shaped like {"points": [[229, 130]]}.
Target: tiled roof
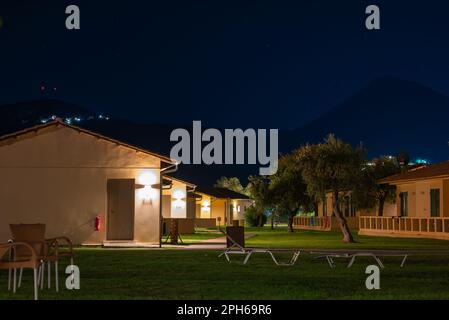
{"points": [[35, 129], [222, 193], [171, 178], [427, 172]]}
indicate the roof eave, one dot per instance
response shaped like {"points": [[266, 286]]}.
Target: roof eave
{"points": [[86, 131], [181, 181], [411, 180]]}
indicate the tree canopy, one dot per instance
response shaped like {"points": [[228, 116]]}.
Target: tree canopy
{"points": [[333, 166], [231, 183], [308, 173], [369, 193], [287, 189]]}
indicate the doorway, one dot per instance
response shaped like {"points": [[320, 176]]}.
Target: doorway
{"points": [[121, 203]]}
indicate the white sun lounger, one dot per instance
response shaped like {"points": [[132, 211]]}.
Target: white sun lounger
{"points": [[236, 248], [248, 252], [352, 255]]}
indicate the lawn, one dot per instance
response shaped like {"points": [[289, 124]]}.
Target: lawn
{"points": [[201, 234], [280, 238], [199, 274]]}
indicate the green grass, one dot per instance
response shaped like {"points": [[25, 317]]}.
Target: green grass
{"points": [[201, 234], [184, 274], [280, 238]]}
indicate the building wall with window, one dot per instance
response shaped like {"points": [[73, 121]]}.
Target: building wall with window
{"points": [[224, 209], [174, 201], [424, 198], [60, 175], [225, 206]]}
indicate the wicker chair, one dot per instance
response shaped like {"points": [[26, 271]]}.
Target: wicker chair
{"points": [[46, 250], [28, 259]]}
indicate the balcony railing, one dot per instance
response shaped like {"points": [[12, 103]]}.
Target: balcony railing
{"points": [[323, 223], [406, 226], [313, 223]]}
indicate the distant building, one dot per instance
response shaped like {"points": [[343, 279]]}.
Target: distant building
{"points": [[178, 202], [100, 191], [422, 210], [222, 206], [69, 178]]}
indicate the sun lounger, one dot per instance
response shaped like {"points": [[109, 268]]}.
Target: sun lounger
{"points": [[352, 255], [248, 252], [295, 255], [236, 248]]}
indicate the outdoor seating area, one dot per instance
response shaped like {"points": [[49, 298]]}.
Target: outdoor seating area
{"points": [[236, 246], [302, 257], [352, 255], [29, 249]]}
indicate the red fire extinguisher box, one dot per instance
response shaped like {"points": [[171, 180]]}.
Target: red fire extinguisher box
{"points": [[97, 225]]}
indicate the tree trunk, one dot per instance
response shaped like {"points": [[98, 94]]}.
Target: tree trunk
{"points": [[272, 221], [315, 208], [380, 211], [347, 236], [290, 224]]}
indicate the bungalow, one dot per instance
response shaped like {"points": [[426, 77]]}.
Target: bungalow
{"points": [[422, 197], [178, 202], [221, 206], [88, 187], [178, 199]]}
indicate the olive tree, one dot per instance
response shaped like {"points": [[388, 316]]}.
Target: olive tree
{"points": [[287, 190], [257, 189], [332, 166], [370, 193], [232, 183]]}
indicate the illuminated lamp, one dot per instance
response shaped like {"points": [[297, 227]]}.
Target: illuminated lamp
{"points": [[205, 206], [179, 196], [147, 186]]}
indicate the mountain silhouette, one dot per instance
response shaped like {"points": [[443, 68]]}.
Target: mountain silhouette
{"points": [[388, 116], [21, 115], [152, 136]]}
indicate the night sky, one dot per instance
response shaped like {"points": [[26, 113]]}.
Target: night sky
{"points": [[266, 64]]}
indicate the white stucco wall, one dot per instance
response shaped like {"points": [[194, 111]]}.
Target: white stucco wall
{"points": [[419, 196], [59, 177], [175, 203], [240, 207]]}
